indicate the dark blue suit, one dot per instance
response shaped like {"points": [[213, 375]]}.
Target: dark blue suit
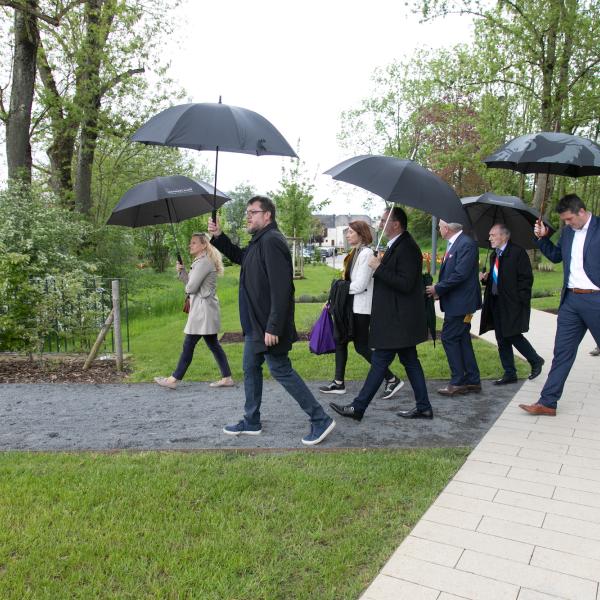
{"points": [[460, 295], [578, 313]]}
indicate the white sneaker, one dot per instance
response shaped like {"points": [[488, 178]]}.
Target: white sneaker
{"points": [[164, 382]]}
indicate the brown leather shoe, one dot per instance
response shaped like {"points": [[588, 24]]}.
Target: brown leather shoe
{"points": [[453, 390], [538, 409], [473, 388]]}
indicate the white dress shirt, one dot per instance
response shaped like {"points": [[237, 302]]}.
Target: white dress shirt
{"points": [[577, 276]]}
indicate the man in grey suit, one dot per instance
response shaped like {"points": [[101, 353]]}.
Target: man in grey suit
{"points": [[579, 250]]}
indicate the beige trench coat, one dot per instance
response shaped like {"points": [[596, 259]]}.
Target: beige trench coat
{"points": [[204, 317]]}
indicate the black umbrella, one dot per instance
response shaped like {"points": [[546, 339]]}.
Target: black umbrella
{"points": [[166, 200], [214, 126], [488, 209], [402, 182], [547, 152]]}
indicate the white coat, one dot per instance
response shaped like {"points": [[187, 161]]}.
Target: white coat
{"points": [[361, 282]]}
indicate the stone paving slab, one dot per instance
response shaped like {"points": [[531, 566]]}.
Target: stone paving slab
{"points": [[520, 519]]}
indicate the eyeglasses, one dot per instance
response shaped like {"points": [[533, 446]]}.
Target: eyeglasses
{"points": [[250, 213]]}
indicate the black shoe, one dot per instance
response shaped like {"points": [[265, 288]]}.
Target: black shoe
{"points": [[346, 410], [505, 379], [333, 388], [392, 387], [537, 368], [415, 413]]}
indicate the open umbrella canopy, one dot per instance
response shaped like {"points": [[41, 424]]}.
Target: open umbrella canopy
{"points": [[403, 182], [547, 152], [165, 200], [214, 126], [488, 209]]}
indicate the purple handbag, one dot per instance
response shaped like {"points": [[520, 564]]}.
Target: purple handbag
{"points": [[320, 338]]}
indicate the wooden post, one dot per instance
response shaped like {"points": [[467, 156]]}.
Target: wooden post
{"points": [[99, 340], [117, 324]]}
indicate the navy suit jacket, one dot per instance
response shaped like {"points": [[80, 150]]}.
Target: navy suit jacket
{"points": [[562, 252], [458, 287]]}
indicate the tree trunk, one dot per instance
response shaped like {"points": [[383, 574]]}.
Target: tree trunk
{"points": [[18, 143], [88, 139]]}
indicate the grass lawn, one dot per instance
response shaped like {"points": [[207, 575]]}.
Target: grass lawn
{"points": [[217, 525], [157, 334]]}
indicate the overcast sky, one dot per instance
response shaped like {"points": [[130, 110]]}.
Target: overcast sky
{"points": [[299, 64]]}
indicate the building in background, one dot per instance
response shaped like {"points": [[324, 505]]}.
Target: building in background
{"points": [[334, 228]]}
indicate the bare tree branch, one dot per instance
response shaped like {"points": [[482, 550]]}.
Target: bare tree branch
{"points": [[119, 78], [51, 20]]}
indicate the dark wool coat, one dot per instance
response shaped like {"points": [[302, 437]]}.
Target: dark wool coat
{"points": [[515, 279], [266, 286], [398, 317]]}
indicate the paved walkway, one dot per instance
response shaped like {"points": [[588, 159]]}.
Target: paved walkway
{"points": [[521, 519]]}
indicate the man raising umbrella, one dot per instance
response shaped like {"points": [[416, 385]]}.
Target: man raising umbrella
{"points": [[579, 250], [266, 298], [507, 303]]}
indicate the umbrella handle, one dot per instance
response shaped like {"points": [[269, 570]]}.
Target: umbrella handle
{"points": [[179, 259]]}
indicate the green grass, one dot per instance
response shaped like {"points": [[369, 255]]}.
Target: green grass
{"points": [[209, 525], [157, 335]]}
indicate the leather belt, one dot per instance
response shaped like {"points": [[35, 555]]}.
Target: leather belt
{"points": [[582, 291]]}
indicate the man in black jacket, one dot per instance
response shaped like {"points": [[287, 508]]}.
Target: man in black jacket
{"points": [[266, 299], [507, 303], [398, 320]]}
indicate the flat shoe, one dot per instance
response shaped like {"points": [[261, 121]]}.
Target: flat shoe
{"points": [[221, 383], [164, 382]]}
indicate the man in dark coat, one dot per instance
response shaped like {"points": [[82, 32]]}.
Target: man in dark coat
{"points": [[507, 303], [266, 299], [459, 293], [579, 250], [398, 320]]}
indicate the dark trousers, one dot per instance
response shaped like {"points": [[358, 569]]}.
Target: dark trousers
{"points": [[506, 344], [282, 371], [456, 339], [577, 314], [380, 361], [189, 345], [361, 345]]}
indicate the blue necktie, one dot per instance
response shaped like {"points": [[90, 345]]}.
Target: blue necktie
{"points": [[495, 269]]}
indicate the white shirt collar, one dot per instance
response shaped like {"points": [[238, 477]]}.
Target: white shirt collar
{"points": [[454, 237], [390, 242]]}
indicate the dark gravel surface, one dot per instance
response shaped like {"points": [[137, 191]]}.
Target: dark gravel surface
{"points": [[144, 416]]}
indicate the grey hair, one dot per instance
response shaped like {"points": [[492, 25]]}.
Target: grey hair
{"points": [[454, 226], [504, 230]]}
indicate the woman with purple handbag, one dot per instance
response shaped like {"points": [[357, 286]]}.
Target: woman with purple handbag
{"points": [[204, 314], [360, 276]]}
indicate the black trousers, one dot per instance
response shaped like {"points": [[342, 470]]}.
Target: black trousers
{"points": [[361, 345], [506, 344], [187, 353]]}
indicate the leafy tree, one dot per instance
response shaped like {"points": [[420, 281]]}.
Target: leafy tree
{"points": [[295, 202], [234, 213], [40, 269]]}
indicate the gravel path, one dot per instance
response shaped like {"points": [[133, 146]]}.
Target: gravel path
{"points": [[144, 416]]}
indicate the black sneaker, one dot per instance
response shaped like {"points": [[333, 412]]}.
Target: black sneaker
{"points": [[333, 388], [392, 387]]}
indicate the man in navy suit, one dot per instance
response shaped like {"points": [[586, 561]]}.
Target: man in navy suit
{"points": [[579, 250], [460, 296]]}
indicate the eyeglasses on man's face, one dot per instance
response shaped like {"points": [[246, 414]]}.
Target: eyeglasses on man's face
{"points": [[251, 213]]}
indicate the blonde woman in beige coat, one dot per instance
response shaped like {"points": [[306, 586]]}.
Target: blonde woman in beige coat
{"points": [[204, 318]]}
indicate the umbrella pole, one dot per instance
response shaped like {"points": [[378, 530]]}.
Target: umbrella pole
{"points": [[389, 209], [173, 231], [214, 210]]}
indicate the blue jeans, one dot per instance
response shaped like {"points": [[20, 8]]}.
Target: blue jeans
{"points": [[577, 314], [380, 361], [280, 367]]}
